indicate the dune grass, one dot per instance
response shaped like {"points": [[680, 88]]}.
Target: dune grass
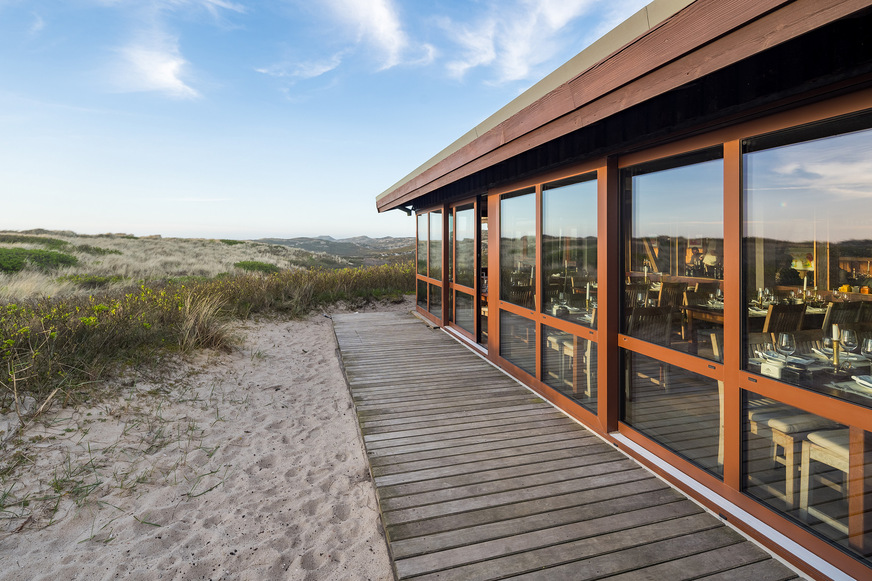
{"points": [[53, 349]]}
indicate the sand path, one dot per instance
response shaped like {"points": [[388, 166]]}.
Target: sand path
{"points": [[246, 465]]}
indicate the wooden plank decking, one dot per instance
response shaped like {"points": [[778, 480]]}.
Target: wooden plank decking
{"points": [[478, 478]]}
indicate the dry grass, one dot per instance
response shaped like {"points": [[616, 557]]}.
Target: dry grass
{"points": [[145, 259]]}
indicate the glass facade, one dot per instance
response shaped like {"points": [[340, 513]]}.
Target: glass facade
{"points": [[810, 468], [518, 341], [673, 252], [678, 408], [518, 249], [569, 365], [423, 233], [808, 251], [436, 245], [695, 328], [464, 246], [569, 249]]}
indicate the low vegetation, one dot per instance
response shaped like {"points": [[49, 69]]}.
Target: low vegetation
{"points": [[53, 348], [257, 266]]}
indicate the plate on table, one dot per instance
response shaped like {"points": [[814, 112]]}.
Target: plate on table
{"points": [[864, 381]]}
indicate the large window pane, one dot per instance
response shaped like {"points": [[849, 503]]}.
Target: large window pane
{"points": [[518, 249], [422, 294], [569, 365], [673, 252], [435, 300], [422, 244], [518, 341], [680, 409], [436, 245], [464, 246], [809, 468], [569, 246], [808, 251], [465, 311]]}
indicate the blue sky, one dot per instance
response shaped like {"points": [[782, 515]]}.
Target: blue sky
{"points": [[249, 119]]}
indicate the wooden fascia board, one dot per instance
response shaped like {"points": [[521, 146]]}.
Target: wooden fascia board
{"points": [[704, 37]]}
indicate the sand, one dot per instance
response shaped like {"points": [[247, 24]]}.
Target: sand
{"points": [[242, 465]]}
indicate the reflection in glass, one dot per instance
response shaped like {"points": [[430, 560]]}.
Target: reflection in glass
{"points": [[435, 301], [808, 251], [673, 254], [422, 294], [678, 408], [464, 245], [569, 247], [518, 249], [450, 246], [436, 245], [518, 341], [569, 366], [422, 244], [799, 464], [464, 309]]}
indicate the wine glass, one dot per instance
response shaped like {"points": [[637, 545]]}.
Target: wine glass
{"points": [[827, 346], [786, 344], [849, 339], [867, 347]]}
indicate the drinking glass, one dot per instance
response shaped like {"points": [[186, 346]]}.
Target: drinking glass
{"points": [[867, 347], [849, 339], [786, 344], [827, 345]]}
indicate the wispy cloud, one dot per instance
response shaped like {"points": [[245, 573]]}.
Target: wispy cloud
{"points": [[152, 61], [377, 24], [303, 70], [513, 38], [37, 25], [154, 66]]}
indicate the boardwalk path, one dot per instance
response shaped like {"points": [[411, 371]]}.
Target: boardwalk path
{"points": [[478, 478]]}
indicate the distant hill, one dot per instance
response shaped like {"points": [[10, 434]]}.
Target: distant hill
{"points": [[360, 250]]}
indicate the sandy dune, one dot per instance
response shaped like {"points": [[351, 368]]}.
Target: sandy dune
{"points": [[246, 465]]}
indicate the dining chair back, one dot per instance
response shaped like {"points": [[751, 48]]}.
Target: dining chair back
{"points": [[784, 318], [807, 340], [671, 294], [841, 314], [652, 324]]}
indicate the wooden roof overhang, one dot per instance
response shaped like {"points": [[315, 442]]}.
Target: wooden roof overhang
{"points": [[712, 63]]}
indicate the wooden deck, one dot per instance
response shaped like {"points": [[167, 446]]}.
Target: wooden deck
{"points": [[479, 478]]}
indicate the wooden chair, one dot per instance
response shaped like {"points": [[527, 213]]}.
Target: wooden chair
{"points": [[704, 289], [865, 315], [807, 340], [671, 294], [784, 318], [652, 324], [842, 314], [828, 448], [632, 292]]}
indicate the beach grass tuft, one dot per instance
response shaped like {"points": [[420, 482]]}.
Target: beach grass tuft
{"points": [[55, 349]]}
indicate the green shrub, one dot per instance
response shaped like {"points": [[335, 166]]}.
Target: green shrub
{"points": [[91, 281], [95, 250], [57, 346], [15, 259], [12, 259], [255, 266], [232, 242], [52, 243]]}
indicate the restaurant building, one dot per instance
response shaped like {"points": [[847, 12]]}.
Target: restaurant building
{"points": [[670, 238]]}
